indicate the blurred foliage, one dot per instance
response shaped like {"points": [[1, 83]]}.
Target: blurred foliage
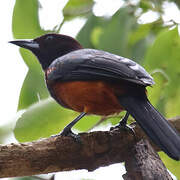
{"points": [[156, 45], [76, 8], [173, 166], [165, 55], [25, 25], [25, 22], [28, 126], [34, 87]]}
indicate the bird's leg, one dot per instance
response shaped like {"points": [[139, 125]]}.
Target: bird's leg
{"points": [[123, 124], [67, 130]]}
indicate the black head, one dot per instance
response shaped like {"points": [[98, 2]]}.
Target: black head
{"points": [[49, 47]]}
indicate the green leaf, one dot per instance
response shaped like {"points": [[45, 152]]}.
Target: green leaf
{"points": [[138, 50], [87, 122], [25, 23], [46, 118], [42, 119], [172, 165], [75, 8], [145, 5], [30, 60], [140, 33], [95, 34], [33, 90], [34, 87], [155, 93], [86, 34], [165, 55], [115, 35]]}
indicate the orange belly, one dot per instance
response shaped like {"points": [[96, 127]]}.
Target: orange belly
{"points": [[92, 97]]}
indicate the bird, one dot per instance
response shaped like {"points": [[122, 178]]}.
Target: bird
{"points": [[91, 81]]}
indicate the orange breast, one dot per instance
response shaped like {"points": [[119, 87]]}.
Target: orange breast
{"points": [[93, 97]]}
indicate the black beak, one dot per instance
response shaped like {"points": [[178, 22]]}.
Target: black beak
{"points": [[27, 44]]}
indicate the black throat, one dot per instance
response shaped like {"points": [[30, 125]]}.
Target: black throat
{"points": [[46, 58]]}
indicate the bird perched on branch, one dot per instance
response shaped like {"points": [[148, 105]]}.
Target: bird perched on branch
{"points": [[92, 81]]}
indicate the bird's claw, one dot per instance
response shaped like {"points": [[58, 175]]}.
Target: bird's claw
{"points": [[124, 127], [69, 133]]}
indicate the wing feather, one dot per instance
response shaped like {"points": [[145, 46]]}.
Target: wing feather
{"points": [[90, 64]]}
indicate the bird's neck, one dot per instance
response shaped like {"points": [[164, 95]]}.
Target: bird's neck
{"points": [[48, 57]]}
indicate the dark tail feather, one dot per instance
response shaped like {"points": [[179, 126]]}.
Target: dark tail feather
{"points": [[154, 124]]}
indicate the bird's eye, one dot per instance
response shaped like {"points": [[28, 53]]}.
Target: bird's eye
{"points": [[49, 38]]}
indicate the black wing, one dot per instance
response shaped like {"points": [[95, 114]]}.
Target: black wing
{"points": [[90, 64]]}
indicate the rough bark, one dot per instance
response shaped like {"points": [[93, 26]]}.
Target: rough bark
{"points": [[144, 163], [59, 153]]}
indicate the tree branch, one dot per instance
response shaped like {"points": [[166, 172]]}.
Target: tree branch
{"points": [[59, 153], [144, 163]]}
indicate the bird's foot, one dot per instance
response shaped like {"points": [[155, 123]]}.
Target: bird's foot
{"points": [[124, 127], [69, 133]]}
